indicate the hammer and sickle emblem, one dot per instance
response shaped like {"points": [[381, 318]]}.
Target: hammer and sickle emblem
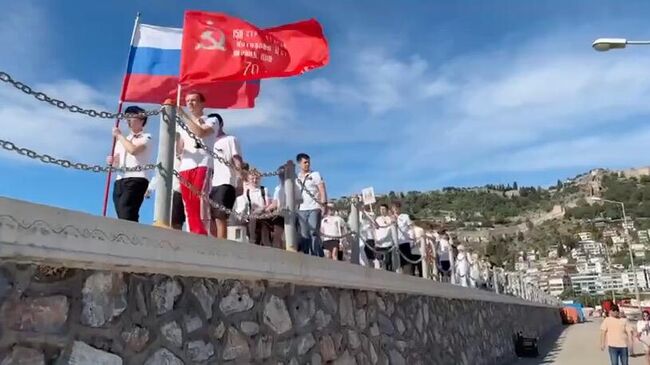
{"points": [[208, 41]]}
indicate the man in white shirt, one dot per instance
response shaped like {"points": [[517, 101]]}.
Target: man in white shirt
{"points": [[226, 177], [444, 256], [367, 239], [130, 151], [384, 238], [312, 208], [196, 163], [256, 200], [331, 228], [405, 238]]}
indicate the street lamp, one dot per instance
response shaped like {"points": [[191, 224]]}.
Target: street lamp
{"points": [[629, 241], [605, 44]]}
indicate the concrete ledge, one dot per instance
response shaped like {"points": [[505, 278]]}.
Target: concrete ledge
{"points": [[33, 233]]}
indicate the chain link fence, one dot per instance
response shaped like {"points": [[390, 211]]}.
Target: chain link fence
{"points": [[41, 96]]}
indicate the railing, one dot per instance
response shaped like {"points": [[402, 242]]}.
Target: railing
{"points": [[463, 271]]}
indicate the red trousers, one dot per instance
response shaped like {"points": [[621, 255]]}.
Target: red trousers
{"points": [[197, 210]]}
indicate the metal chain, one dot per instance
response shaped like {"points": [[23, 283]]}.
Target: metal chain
{"points": [[41, 96], [211, 153], [45, 158], [203, 195]]}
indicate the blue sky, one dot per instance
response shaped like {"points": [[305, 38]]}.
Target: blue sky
{"points": [[418, 94]]}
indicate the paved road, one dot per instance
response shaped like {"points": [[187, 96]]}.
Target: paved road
{"points": [[578, 344]]}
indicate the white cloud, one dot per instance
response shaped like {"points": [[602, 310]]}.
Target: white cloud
{"points": [[381, 82]]}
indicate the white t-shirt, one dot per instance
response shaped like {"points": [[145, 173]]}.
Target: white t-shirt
{"points": [[194, 156], [331, 227], [279, 196], [226, 147], [443, 250], [383, 234], [309, 182], [126, 159], [404, 229], [256, 198]]}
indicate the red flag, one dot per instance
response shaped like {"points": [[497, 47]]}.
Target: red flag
{"points": [[218, 47]]}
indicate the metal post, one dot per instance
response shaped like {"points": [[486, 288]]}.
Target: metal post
{"points": [[611, 278], [495, 280], [355, 226], [452, 263], [396, 261], [290, 233], [629, 248], [166, 142], [424, 245]]}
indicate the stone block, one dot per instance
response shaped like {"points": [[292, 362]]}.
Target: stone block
{"points": [[192, 323], [276, 315], [304, 343], [328, 300], [164, 295], [103, 298], [264, 347], [302, 310], [327, 349], [172, 333], [83, 354], [163, 357], [135, 338], [345, 359], [24, 356], [238, 300], [199, 351], [346, 309], [249, 328], [322, 319], [236, 346], [204, 297], [46, 314]]}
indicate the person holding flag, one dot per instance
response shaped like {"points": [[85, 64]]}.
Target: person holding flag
{"points": [[130, 151], [196, 164]]}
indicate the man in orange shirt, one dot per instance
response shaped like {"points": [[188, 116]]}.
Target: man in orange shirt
{"points": [[617, 336]]}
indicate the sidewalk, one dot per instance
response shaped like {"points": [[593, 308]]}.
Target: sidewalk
{"points": [[578, 344]]}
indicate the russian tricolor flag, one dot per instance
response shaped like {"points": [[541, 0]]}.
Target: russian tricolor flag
{"points": [[153, 68]]}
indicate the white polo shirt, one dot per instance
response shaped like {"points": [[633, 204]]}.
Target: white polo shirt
{"points": [[332, 227], [367, 226], [226, 147], [126, 159], [309, 183], [383, 234], [194, 157]]}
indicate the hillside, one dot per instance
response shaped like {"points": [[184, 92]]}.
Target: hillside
{"points": [[502, 220]]}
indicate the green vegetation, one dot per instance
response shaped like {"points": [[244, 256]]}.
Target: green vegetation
{"points": [[635, 193]]}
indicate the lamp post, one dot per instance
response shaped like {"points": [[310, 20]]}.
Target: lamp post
{"points": [[605, 44], [628, 238]]}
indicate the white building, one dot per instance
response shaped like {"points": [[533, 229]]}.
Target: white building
{"points": [[557, 285], [585, 283], [585, 236]]}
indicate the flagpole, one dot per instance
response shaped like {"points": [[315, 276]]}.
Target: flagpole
{"points": [[119, 110]]}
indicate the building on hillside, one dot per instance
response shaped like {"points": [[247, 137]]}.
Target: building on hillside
{"points": [[585, 236], [643, 236], [585, 283], [638, 249], [557, 284], [591, 247]]}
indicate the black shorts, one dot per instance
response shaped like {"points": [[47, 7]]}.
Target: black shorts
{"points": [[445, 266], [405, 250], [330, 244], [178, 210], [223, 195]]}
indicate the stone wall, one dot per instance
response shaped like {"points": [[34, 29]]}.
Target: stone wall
{"points": [[72, 316]]}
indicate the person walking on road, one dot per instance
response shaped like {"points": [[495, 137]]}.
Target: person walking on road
{"points": [[643, 334], [616, 335]]}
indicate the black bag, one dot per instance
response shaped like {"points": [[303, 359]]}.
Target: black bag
{"points": [[525, 346]]}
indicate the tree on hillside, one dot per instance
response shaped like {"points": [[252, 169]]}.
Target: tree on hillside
{"points": [[559, 184], [515, 186]]}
